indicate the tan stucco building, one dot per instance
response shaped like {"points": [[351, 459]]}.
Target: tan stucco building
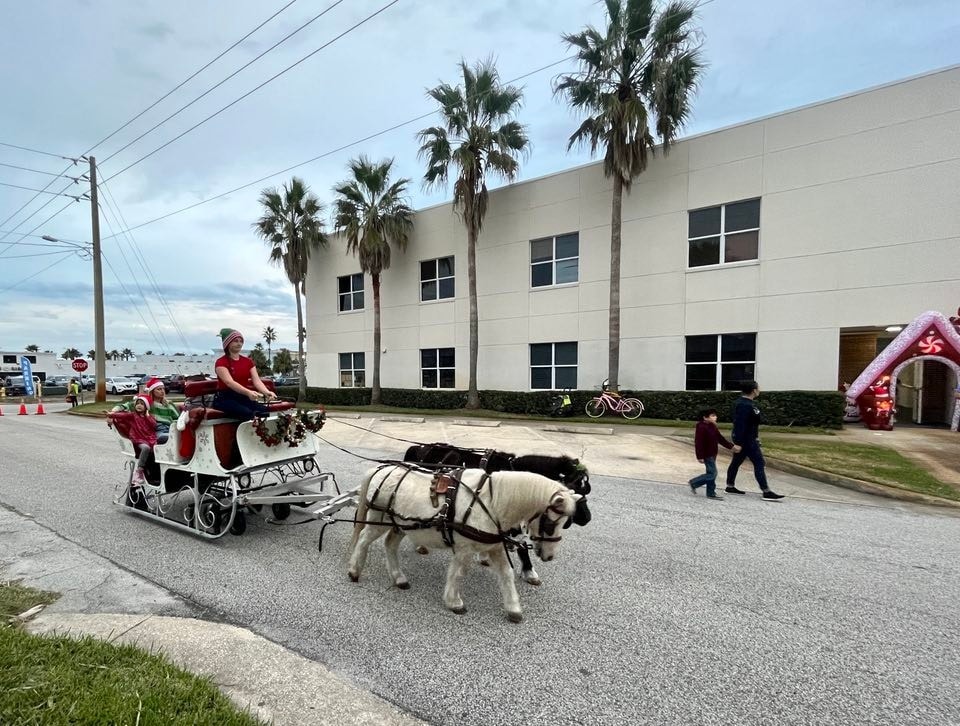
{"points": [[780, 249]]}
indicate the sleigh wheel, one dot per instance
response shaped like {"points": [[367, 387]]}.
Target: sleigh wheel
{"points": [[239, 525], [281, 511]]}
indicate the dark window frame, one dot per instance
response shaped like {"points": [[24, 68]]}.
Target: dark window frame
{"points": [[437, 278], [718, 361], [553, 365], [346, 301], [439, 371], [722, 233], [358, 374], [553, 261]]}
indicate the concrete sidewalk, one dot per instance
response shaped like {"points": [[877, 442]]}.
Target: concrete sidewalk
{"points": [[103, 600]]}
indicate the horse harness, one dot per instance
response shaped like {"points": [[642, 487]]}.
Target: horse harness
{"points": [[447, 483]]}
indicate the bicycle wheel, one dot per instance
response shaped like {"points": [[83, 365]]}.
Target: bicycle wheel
{"points": [[632, 408], [595, 408]]}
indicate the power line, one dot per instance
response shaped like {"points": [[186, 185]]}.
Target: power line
{"points": [[350, 144], [74, 161], [66, 256], [28, 234], [257, 88], [133, 303], [217, 85], [59, 239], [37, 151], [34, 254], [75, 197], [183, 83], [36, 171]]}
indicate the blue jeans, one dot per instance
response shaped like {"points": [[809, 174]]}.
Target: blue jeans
{"points": [[709, 477], [753, 452]]}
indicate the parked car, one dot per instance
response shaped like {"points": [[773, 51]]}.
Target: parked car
{"points": [[87, 383], [61, 381], [117, 385], [173, 384], [15, 387], [286, 381]]}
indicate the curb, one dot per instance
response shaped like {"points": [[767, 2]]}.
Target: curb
{"points": [[486, 423], [846, 482], [596, 430], [334, 414], [402, 419]]}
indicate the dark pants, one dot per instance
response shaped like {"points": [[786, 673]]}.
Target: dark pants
{"points": [[709, 477], [237, 406], [753, 452]]}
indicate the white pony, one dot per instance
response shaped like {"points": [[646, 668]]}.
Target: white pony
{"points": [[398, 500]]}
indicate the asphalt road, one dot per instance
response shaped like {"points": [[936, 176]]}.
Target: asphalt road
{"points": [[666, 609]]}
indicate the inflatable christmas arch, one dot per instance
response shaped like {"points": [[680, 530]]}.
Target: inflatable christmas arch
{"points": [[930, 337]]}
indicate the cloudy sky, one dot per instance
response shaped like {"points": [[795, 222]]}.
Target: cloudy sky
{"points": [[73, 71]]}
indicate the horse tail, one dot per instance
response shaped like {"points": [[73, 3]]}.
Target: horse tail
{"points": [[363, 507]]}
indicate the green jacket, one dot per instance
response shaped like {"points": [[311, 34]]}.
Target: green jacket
{"points": [[165, 413]]}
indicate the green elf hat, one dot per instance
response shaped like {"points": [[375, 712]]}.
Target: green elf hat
{"points": [[228, 335]]}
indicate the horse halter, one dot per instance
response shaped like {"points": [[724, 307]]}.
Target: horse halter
{"points": [[547, 526]]}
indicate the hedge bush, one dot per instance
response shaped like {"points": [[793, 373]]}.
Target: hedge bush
{"points": [[823, 409]]}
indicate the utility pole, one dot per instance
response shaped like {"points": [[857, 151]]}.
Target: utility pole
{"points": [[100, 362]]}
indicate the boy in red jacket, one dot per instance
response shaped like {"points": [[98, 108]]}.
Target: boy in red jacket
{"points": [[706, 441], [141, 430]]}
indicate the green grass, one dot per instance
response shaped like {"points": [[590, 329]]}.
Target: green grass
{"points": [[55, 680], [877, 464]]}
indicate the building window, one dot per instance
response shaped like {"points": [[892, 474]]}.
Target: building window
{"points": [[555, 260], [720, 362], [350, 291], [436, 279], [352, 370], [724, 234], [553, 366], [438, 367]]}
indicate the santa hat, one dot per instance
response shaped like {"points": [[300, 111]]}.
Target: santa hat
{"points": [[228, 335], [145, 399], [153, 383]]}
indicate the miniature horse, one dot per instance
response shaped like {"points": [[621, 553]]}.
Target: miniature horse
{"points": [[563, 469], [474, 517]]}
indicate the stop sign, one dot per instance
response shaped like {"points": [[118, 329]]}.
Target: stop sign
{"points": [[79, 365]]}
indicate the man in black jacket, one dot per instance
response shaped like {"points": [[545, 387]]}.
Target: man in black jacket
{"points": [[746, 434]]}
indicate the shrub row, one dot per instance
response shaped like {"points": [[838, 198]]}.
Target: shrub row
{"points": [[780, 408]]}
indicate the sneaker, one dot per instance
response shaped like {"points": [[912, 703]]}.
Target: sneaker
{"points": [[714, 496], [767, 494], [138, 477], [733, 490], [693, 487]]}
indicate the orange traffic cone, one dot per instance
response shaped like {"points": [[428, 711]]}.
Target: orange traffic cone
{"points": [[1, 410], [40, 411], [23, 410]]}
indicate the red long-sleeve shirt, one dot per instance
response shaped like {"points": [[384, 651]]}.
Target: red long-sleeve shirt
{"points": [[141, 429], [707, 439]]}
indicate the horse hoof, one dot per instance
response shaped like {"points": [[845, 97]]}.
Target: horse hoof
{"points": [[535, 581], [353, 577], [421, 550], [515, 617], [459, 611], [403, 585], [484, 563]]}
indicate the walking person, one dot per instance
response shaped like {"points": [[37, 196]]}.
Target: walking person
{"points": [[73, 392], [746, 434], [706, 442]]}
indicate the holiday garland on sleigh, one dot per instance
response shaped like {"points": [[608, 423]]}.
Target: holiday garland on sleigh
{"points": [[289, 427]]}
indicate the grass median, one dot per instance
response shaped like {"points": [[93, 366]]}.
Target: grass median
{"points": [[61, 680]]}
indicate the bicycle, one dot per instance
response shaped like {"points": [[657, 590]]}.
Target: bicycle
{"points": [[630, 408]]}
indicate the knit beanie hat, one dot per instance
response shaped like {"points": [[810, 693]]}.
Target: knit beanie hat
{"points": [[146, 402], [228, 335], [152, 383]]}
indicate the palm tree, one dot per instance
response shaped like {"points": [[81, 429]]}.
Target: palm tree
{"points": [[372, 214], [479, 136], [292, 226], [646, 64], [33, 348], [70, 354], [92, 354], [126, 354], [270, 336], [113, 354]]}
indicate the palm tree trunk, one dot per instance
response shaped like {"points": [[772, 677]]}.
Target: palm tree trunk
{"points": [[473, 397], [375, 388], [302, 395], [616, 229]]}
